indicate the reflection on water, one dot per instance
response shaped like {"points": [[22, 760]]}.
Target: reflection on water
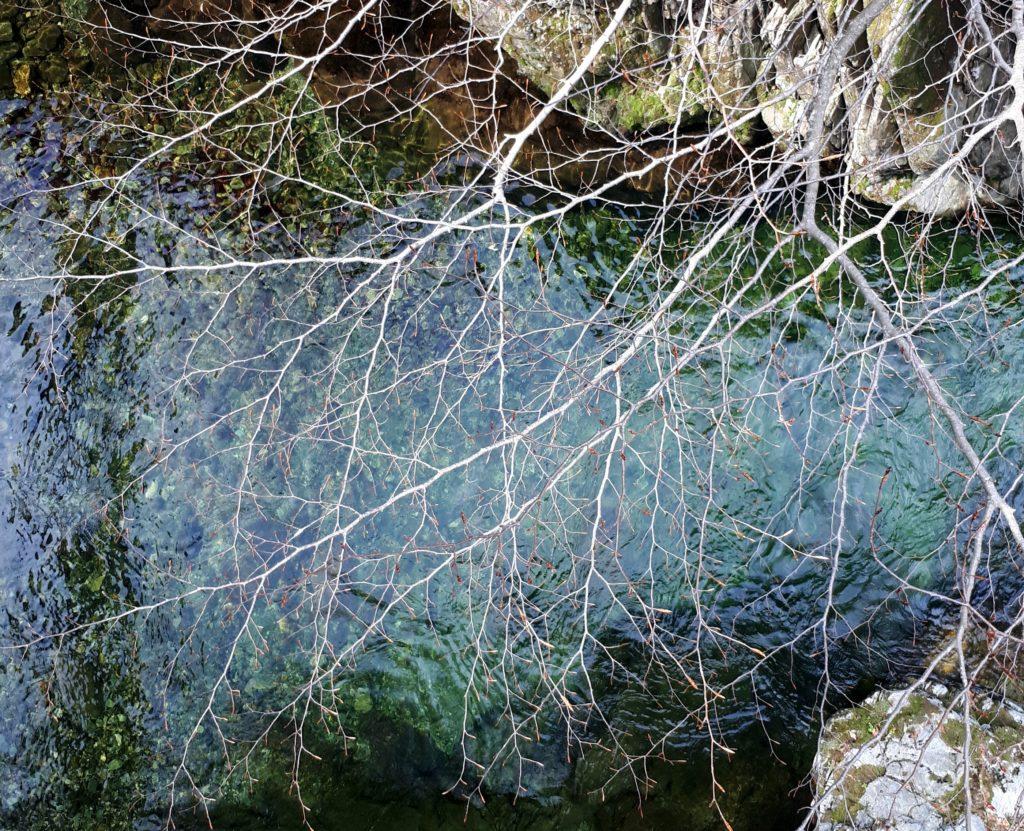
{"points": [[282, 451]]}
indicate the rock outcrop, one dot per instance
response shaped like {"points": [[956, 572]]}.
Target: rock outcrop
{"points": [[915, 118], [911, 776], [904, 116]]}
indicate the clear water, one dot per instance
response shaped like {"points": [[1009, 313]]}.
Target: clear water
{"points": [[224, 436]]}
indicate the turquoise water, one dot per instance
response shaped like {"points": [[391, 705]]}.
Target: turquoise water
{"points": [[310, 493]]}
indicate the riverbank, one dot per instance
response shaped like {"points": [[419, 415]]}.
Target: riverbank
{"points": [[669, 105]]}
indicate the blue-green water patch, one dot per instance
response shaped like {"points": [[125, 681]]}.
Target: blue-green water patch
{"points": [[395, 543]]}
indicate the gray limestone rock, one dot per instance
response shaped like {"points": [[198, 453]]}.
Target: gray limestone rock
{"points": [[911, 776]]}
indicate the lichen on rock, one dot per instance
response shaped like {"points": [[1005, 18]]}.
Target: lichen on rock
{"points": [[897, 761]]}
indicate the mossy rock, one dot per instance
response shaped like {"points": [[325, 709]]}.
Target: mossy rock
{"points": [[854, 786], [547, 41], [914, 49], [949, 196], [53, 71], [45, 41], [731, 54], [679, 99], [909, 775]]}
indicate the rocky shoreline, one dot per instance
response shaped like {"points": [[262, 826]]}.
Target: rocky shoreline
{"points": [[906, 125], [896, 761], [913, 88]]}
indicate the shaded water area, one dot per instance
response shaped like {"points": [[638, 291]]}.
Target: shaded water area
{"points": [[107, 507]]}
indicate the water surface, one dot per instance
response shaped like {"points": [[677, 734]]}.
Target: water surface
{"points": [[395, 509]]}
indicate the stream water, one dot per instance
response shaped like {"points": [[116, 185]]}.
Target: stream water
{"points": [[165, 431]]}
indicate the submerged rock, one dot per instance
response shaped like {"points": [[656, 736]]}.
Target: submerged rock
{"points": [[42, 40], [910, 776], [32, 41]]}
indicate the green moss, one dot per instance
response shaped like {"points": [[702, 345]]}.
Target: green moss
{"points": [[363, 702], [912, 712], [864, 722], [887, 191], [639, 109], [953, 732], [744, 133], [1004, 738], [951, 804], [853, 786], [648, 103], [897, 188]]}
